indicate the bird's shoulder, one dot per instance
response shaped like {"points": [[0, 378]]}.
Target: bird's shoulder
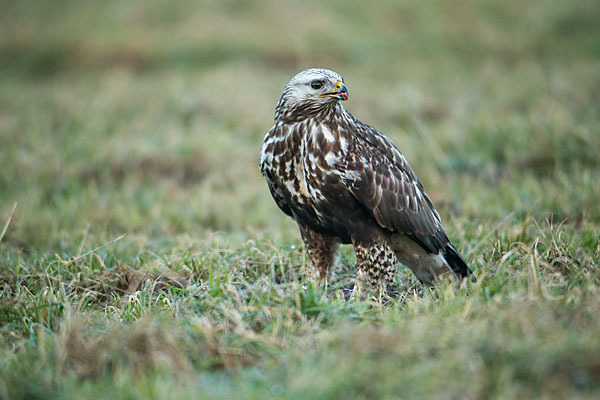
{"points": [[370, 150], [374, 142]]}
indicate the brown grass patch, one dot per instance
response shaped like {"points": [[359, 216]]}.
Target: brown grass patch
{"points": [[148, 169]]}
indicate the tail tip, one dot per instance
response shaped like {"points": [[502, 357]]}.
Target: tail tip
{"points": [[457, 263]]}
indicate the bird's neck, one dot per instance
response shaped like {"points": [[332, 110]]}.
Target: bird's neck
{"points": [[308, 110]]}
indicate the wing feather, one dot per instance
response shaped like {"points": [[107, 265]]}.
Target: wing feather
{"points": [[379, 177]]}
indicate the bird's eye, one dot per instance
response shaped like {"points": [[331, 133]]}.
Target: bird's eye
{"points": [[316, 85]]}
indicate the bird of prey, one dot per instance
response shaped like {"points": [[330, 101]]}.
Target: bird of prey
{"points": [[344, 182]]}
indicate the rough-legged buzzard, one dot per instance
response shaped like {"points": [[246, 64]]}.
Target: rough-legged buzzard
{"points": [[343, 181]]}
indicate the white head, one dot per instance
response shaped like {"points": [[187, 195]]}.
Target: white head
{"points": [[317, 84], [310, 91]]}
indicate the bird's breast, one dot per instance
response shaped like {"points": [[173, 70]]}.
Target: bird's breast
{"points": [[303, 163]]}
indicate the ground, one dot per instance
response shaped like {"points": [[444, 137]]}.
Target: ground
{"points": [[141, 255]]}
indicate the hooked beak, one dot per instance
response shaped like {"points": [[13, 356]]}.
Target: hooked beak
{"points": [[340, 92]]}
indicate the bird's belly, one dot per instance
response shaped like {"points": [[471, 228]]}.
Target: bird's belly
{"points": [[326, 208], [315, 197]]}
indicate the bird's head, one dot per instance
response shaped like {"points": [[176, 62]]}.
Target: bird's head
{"points": [[316, 86]]}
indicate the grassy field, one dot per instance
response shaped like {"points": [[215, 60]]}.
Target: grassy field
{"points": [[141, 255]]}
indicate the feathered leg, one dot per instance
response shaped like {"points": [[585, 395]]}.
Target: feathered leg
{"points": [[375, 264], [321, 250]]}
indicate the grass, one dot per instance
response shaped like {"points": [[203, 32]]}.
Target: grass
{"points": [[145, 258]]}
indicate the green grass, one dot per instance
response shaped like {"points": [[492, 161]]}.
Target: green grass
{"points": [[146, 259]]}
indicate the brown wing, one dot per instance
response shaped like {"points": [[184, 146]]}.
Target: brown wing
{"points": [[378, 175]]}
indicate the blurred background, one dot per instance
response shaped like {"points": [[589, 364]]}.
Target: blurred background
{"points": [[147, 117]]}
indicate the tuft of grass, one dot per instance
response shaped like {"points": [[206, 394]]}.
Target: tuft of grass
{"points": [[196, 311]]}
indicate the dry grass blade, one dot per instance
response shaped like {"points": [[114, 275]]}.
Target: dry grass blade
{"points": [[95, 250], [500, 224], [8, 221]]}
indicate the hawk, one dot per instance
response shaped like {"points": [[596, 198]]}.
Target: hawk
{"points": [[344, 182]]}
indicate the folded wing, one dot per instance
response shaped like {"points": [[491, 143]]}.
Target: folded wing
{"points": [[379, 177]]}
